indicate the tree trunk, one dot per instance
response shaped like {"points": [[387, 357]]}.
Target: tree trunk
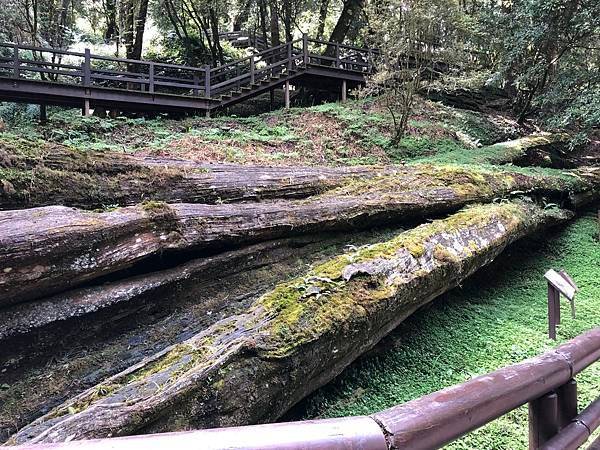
{"points": [[352, 9], [107, 328], [322, 19], [110, 16], [262, 18], [95, 179], [253, 366], [50, 249], [139, 26], [242, 15], [274, 23]]}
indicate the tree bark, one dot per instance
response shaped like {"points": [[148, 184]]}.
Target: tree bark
{"points": [[253, 366], [322, 19], [78, 338], [139, 26], [242, 15], [350, 12], [62, 176], [274, 23], [50, 249]]}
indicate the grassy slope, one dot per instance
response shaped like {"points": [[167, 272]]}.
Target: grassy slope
{"points": [[331, 134], [497, 318]]}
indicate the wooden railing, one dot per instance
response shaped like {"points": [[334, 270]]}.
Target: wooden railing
{"points": [[545, 382], [243, 39], [23, 62], [88, 70]]}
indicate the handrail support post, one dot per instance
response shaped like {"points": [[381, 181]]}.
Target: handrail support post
{"points": [[151, 78], [16, 62], [567, 403], [287, 94], [207, 81], [543, 419], [87, 71]]}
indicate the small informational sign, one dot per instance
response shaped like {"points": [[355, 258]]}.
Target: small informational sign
{"points": [[562, 282]]}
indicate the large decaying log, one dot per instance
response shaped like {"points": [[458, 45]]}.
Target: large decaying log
{"points": [[49, 249], [517, 149], [33, 174], [251, 367], [55, 348]]}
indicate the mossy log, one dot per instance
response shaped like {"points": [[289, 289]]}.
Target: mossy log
{"points": [[517, 150], [31, 329], [55, 348], [253, 366], [50, 249], [39, 175]]}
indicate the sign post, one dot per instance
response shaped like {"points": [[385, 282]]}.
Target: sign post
{"points": [[558, 283]]}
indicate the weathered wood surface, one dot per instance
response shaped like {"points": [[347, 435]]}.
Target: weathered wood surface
{"points": [[253, 366], [50, 249], [57, 175], [57, 347], [33, 174]]}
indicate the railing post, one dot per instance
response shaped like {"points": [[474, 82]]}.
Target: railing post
{"points": [[151, 78], [287, 94], [207, 81], [289, 55], [553, 299], [196, 82], [305, 48], [87, 71], [567, 403], [252, 69], [337, 55], [16, 63], [543, 420]]}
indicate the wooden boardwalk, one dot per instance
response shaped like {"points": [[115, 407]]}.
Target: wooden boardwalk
{"points": [[55, 77]]}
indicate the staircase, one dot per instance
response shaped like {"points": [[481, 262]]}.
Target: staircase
{"points": [[50, 76]]}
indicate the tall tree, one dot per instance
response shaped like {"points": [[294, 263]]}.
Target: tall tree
{"points": [[350, 12], [412, 36], [533, 38]]}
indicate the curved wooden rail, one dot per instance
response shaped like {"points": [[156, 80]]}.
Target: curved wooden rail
{"points": [[428, 422]]}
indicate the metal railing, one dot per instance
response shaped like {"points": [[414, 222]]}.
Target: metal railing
{"points": [[545, 382]]}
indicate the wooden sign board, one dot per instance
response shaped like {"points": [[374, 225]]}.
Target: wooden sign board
{"points": [[566, 276], [564, 285]]}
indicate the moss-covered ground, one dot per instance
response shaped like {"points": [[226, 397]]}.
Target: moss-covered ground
{"points": [[497, 318]]}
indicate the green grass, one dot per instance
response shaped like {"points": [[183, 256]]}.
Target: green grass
{"points": [[497, 318]]}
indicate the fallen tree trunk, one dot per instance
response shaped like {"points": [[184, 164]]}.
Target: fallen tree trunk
{"points": [[37, 175], [517, 149], [253, 366], [55, 348], [50, 249]]}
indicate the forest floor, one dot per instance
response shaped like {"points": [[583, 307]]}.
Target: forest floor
{"points": [[356, 133], [497, 318]]}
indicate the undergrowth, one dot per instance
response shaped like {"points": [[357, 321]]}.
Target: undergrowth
{"points": [[496, 318], [355, 133]]}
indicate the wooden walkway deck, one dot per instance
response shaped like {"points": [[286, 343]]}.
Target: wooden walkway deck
{"points": [[55, 77]]}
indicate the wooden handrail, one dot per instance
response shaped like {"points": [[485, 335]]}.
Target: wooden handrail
{"points": [[148, 76], [428, 422]]}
